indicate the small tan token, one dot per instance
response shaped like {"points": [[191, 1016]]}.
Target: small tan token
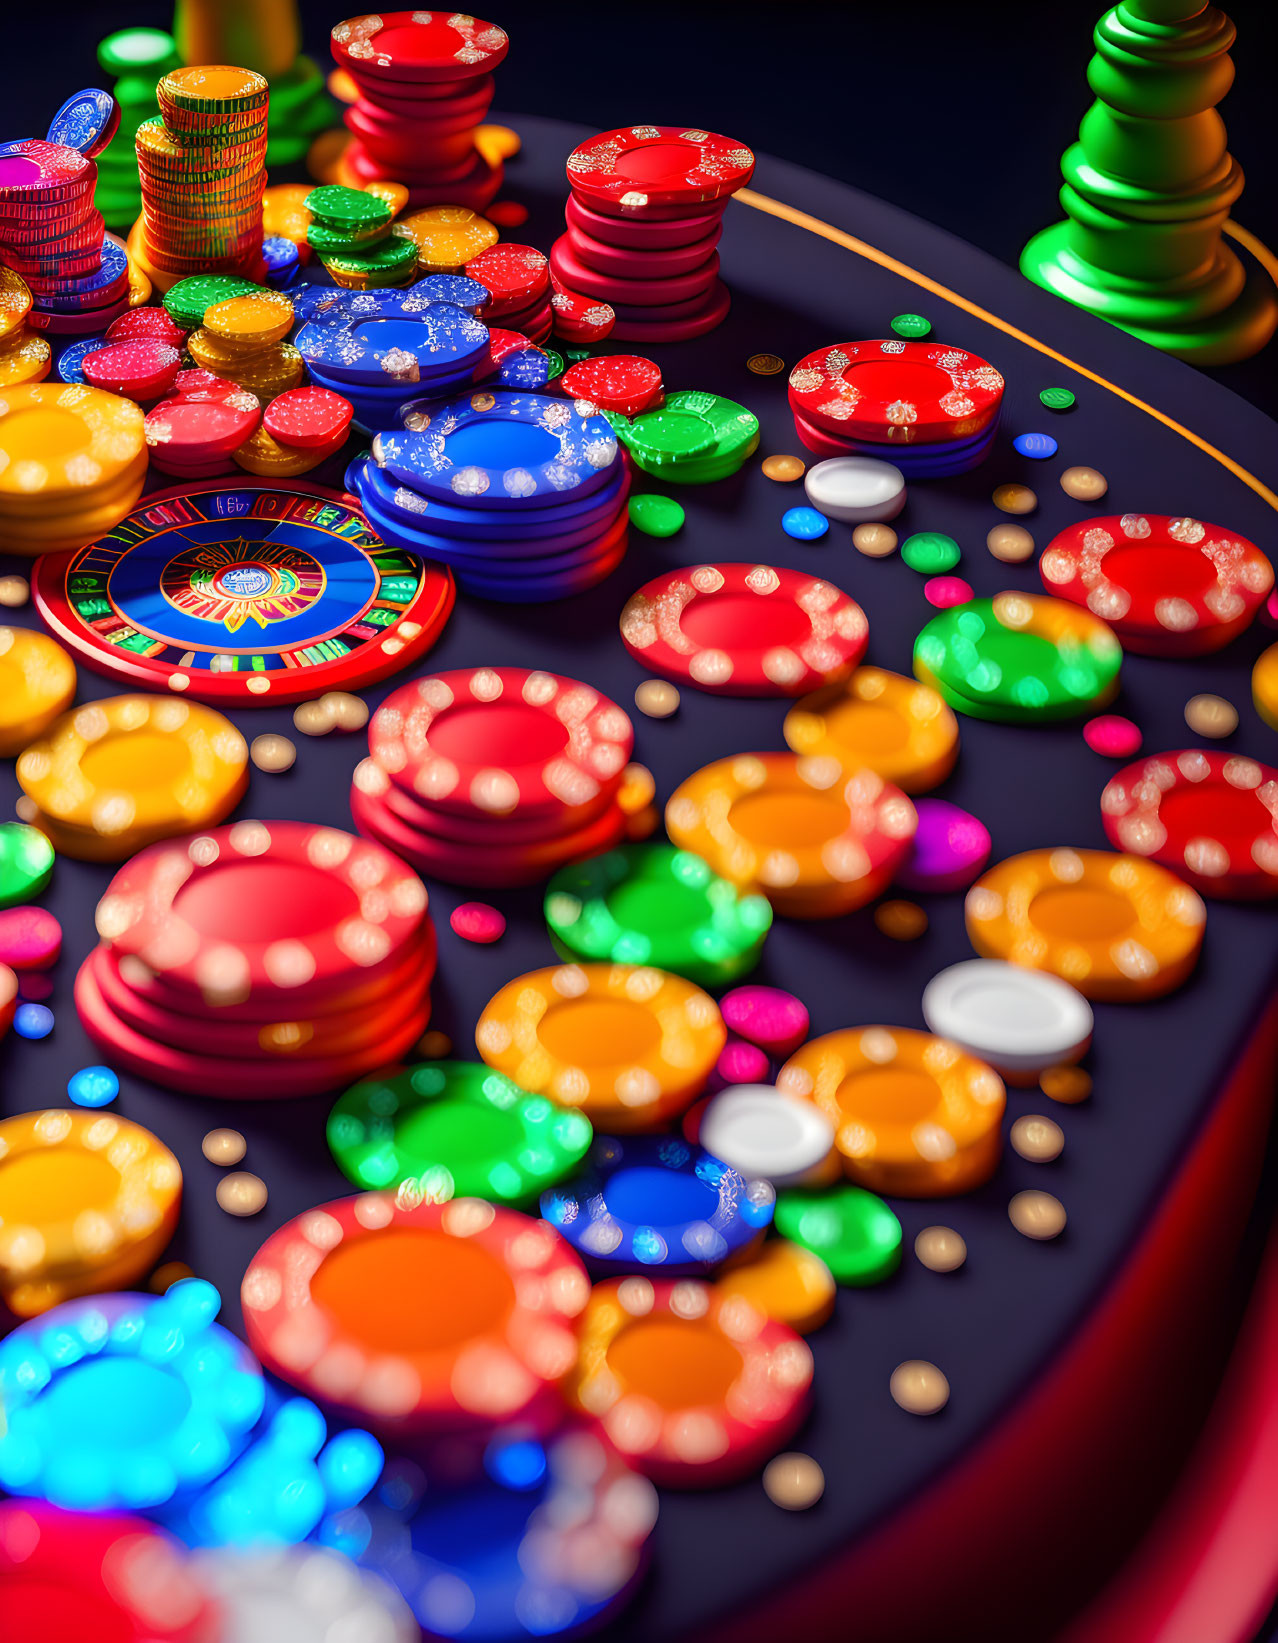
{"points": [[765, 365], [874, 541], [657, 698], [784, 469], [346, 711], [1211, 716], [1015, 499], [313, 718], [1037, 1215], [1012, 544], [164, 1277], [919, 1387], [272, 753], [25, 809], [1068, 1085], [1037, 1139], [224, 1147], [435, 1046], [941, 1249], [793, 1482], [14, 591], [900, 920], [1084, 484], [241, 1193]]}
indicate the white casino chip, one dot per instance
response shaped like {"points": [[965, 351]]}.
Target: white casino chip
{"points": [[760, 1131], [302, 1594], [1019, 1020]]}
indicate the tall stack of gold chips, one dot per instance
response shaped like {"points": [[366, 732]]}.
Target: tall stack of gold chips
{"points": [[201, 164]]}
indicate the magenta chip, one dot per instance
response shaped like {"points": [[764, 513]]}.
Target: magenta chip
{"points": [[951, 847]]}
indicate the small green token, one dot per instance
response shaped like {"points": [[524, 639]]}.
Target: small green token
{"points": [[390, 257], [187, 301], [654, 905], [1056, 399], [555, 363], [129, 50], [853, 1231], [656, 515], [26, 863], [575, 355], [930, 552], [911, 325], [455, 1129], [343, 241], [340, 207]]}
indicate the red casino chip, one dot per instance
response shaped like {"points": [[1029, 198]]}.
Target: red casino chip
{"points": [[501, 345], [71, 1577], [194, 432], [611, 260], [681, 324], [580, 320], [412, 46], [138, 369], [644, 288], [308, 418], [625, 384], [1167, 586], [268, 909], [745, 630], [642, 233], [894, 391], [473, 830], [641, 166], [496, 741], [514, 274], [37, 171], [418, 1317], [1210, 817], [151, 324]]}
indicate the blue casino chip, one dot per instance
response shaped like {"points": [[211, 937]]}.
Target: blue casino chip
{"points": [[1037, 446], [392, 337], [542, 552], [650, 1201], [71, 358], [502, 450], [86, 122], [282, 259]]}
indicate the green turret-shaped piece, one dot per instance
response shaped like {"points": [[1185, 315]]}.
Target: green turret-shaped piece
{"points": [[1148, 188]]}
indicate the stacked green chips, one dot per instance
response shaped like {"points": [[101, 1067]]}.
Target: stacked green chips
{"points": [[300, 109], [693, 439], [350, 233], [655, 905], [138, 57], [187, 302]]}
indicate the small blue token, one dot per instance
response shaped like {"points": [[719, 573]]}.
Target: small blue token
{"points": [[1038, 446], [86, 122], [282, 260], [71, 359], [93, 1087], [805, 524], [648, 1201], [33, 1021], [395, 338]]}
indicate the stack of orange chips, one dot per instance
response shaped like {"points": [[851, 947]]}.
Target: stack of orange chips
{"points": [[242, 341], [201, 165]]}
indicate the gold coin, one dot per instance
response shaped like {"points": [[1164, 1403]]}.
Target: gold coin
{"points": [[941, 1249], [224, 1147], [793, 1482], [241, 1193], [765, 365], [1211, 716], [919, 1387], [1084, 484], [164, 1277], [1013, 544], [347, 712], [900, 920], [657, 698], [313, 718], [1037, 1215], [272, 754], [435, 1046], [14, 591], [1015, 499], [784, 469], [1068, 1085], [638, 789], [874, 541], [1037, 1139]]}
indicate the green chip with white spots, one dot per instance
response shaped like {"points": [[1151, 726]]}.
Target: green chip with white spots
{"points": [[852, 1230]]}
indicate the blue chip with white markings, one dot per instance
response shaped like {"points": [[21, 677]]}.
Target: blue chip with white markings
{"points": [[282, 259], [71, 359], [501, 450], [1037, 446], [648, 1201], [392, 336], [86, 122]]}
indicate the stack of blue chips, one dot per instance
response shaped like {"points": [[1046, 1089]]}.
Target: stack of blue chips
{"points": [[523, 495], [381, 348]]}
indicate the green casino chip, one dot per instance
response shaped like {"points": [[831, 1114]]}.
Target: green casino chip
{"points": [[392, 256], [187, 302], [1056, 399], [339, 207], [656, 515], [652, 904], [455, 1129], [26, 863], [853, 1231], [913, 326], [930, 552]]}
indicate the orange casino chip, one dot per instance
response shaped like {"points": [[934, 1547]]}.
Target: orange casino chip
{"points": [[1116, 927], [695, 1387], [878, 721], [913, 1115], [784, 1281], [817, 840], [417, 1317], [88, 1202], [628, 1045]]}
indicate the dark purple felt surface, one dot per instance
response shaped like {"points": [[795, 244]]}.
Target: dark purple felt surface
{"points": [[995, 1325]]}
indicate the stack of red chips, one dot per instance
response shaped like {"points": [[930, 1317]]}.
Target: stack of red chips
{"points": [[192, 432], [518, 278], [643, 223], [52, 236], [424, 86]]}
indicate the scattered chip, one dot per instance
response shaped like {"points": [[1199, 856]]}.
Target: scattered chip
{"points": [[783, 469], [1012, 544], [900, 920], [313, 718], [1056, 399], [874, 541], [241, 1193], [793, 1482], [656, 515], [478, 922], [1084, 484], [913, 326], [657, 698], [1211, 716], [919, 1387], [765, 365], [930, 552], [1112, 736], [1037, 1215], [273, 753], [224, 1147], [804, 524], [346, 711], [1014, 499], [14, 591], [1039, 447], [941, 1249], [93, 1087], [1040, 1140], [944, 592], [1068, 1085]]}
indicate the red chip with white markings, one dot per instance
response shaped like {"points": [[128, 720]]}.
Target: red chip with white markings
{"points": [[894, 392], [149, 324], [579, 319], [308, 418], [639, 166], [137, 369], [745, 630], [1210, 817], [625, 384], [185, 430], [513, 274]]}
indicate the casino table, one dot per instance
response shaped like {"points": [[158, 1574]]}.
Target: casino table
{"points": [[1073, 1386]]}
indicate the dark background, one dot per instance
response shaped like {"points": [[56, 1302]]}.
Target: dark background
{"points": [[956, 110]]}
